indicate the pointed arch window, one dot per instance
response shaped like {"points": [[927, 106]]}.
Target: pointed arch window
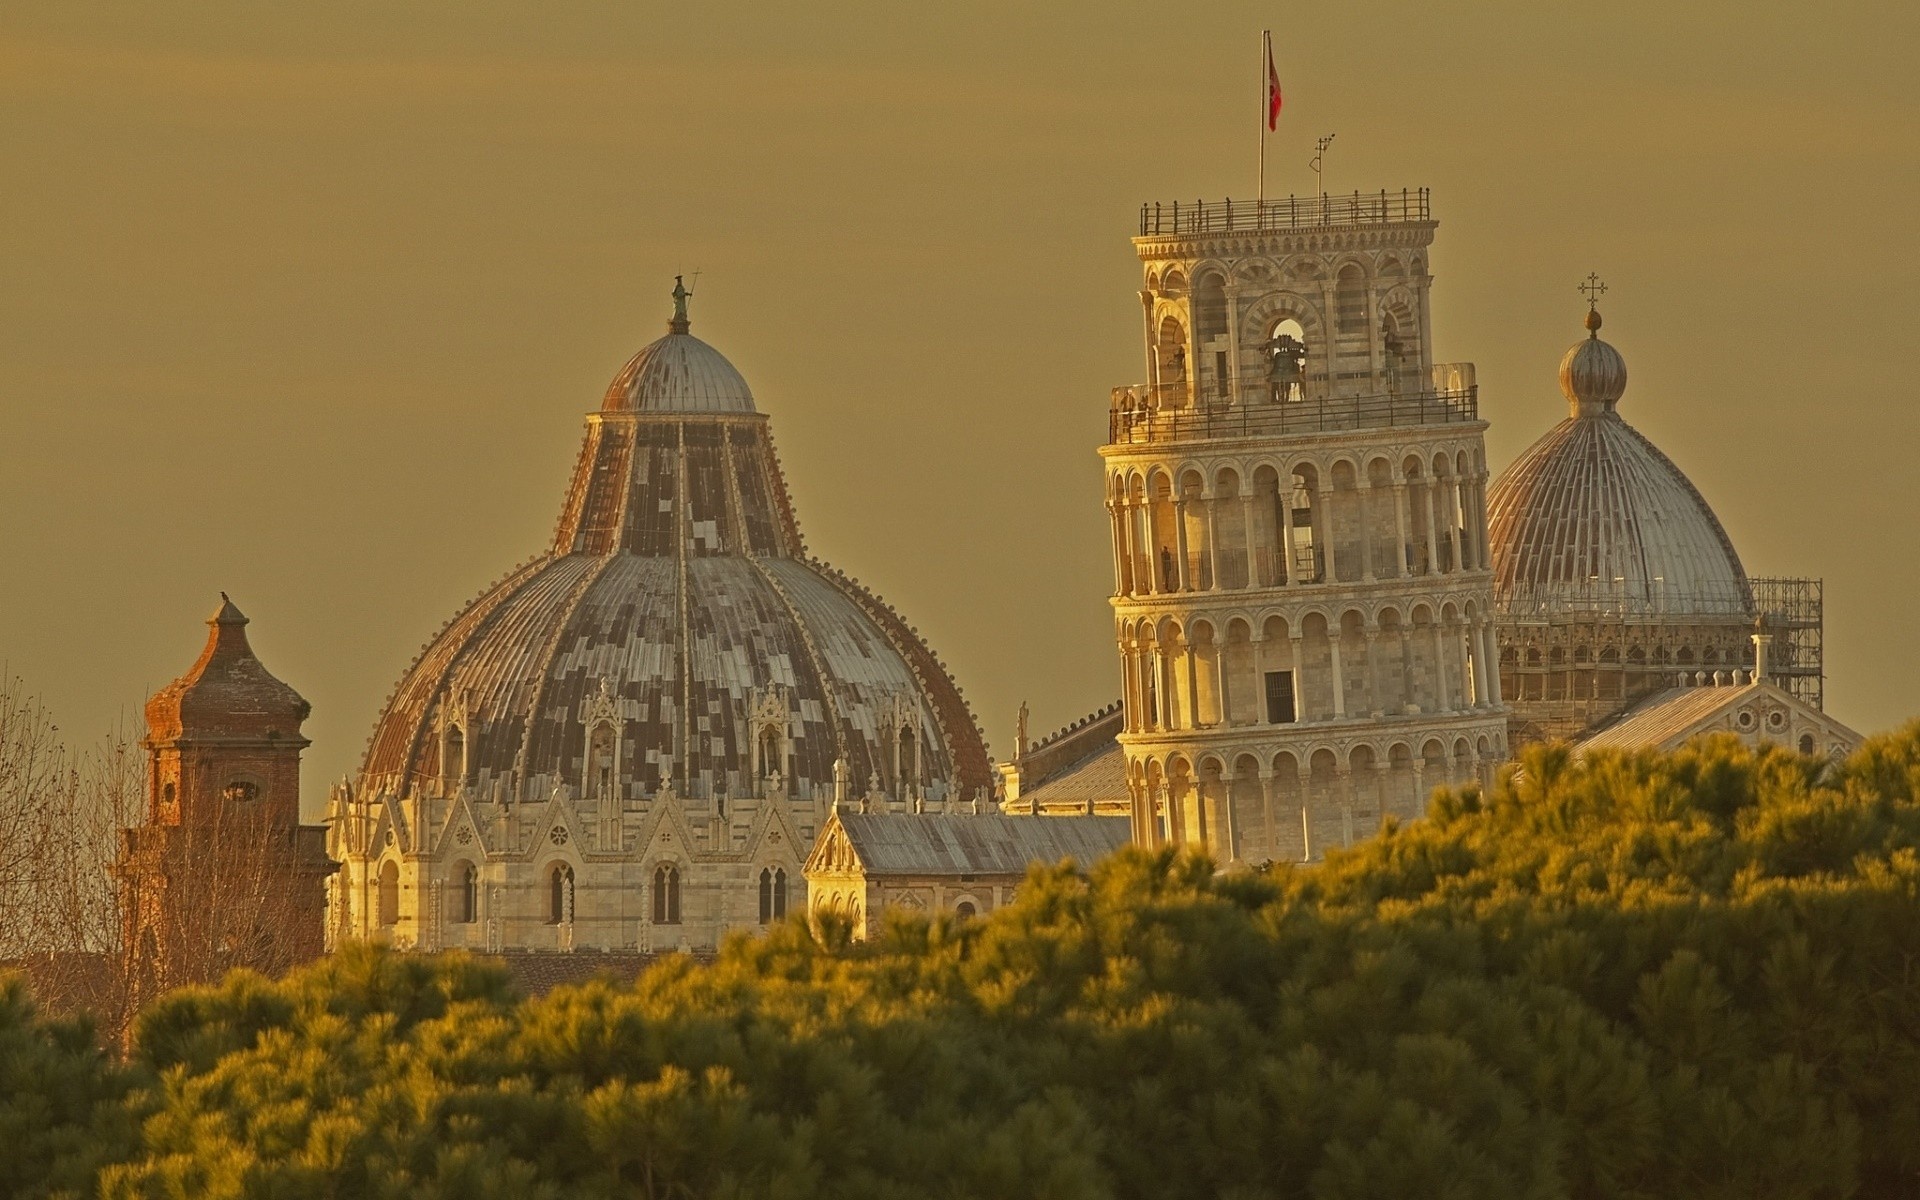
{"points": [[389, 893], [453, 755], [602, 761], [908, 760], [467, 897], [560, 895], [666, 894], [771, 757], [773, 894]]}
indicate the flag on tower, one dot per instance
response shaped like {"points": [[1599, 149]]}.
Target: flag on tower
{"points": [[1273, 91]]}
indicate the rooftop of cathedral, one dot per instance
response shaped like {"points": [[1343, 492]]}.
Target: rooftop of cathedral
{"points": [[969, 844]]}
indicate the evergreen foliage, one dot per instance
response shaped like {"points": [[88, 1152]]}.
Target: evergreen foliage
{"points": [[1637, 975], [62, 1111]]}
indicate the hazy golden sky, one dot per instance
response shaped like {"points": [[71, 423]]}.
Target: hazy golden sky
{"points": [[306, 302]]}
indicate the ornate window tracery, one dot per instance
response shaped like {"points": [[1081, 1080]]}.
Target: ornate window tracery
{"points": [[666, 894]]}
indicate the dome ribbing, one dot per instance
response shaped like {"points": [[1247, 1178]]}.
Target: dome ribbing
{"points": [[676, 609], [1594, 516]]}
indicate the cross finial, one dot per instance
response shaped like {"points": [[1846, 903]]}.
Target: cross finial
{"points": [[1592, 288]]}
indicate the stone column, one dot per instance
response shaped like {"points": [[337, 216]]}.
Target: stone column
{"points": [[1442, 698], [1407, 700], [1469, 663], [1213, 543], [1452, 497], [1266, 807], [1139, 530], [1325, 566], [1180, 565], [1120, 561], [1131, 701], [1246, 523], [1429, 497], [1469, 671], [1219, 652], [1480, 520], [1193, 697], [1294, 660], [1399, 525], [1343, 788], [1153, 700], [1229, 832], [1370, 638], [1382, 780], [1283, 523], [1363, 500], [1335, 635], [1490, 638], [1258, 643]]}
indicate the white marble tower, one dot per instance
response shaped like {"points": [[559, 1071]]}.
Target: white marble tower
{"points": [[1302, 593]]}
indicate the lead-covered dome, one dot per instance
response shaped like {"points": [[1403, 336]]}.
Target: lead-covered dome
{"points": [[678, 373], [675, 635], [1594, 516]]}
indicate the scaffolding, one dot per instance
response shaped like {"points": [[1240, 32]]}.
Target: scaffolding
{"points": [[1793, 611]]}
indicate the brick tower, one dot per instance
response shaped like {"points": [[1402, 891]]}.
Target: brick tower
{"points": [[222, 874]]}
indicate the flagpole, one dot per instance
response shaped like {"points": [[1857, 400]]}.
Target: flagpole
{"points": [[1266, 53]]}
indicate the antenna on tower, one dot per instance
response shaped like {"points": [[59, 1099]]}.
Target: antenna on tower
{"points": [[1319, 161]]}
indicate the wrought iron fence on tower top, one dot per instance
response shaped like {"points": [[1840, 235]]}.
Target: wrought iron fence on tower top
{"points": [[1293, 212], [1145, 413]]}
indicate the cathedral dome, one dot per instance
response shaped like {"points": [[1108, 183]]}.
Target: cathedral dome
{"points": [[679, 373], [1593, 517], [676, 636]]}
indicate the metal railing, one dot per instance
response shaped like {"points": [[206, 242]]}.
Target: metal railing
{"points": [[1599, 599], [1294, 212], [1145, 414]]}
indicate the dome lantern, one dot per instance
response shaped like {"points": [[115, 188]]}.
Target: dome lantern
{"points": [[1593, 376]]}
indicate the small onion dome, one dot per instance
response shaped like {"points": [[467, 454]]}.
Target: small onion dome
{"points": [[1593, 375]]}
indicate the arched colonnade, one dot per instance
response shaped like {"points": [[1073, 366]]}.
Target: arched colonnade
{"points": [[1271, 521], [1320, 663], [1250, 806]]}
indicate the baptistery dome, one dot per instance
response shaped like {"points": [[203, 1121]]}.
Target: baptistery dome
{"points": [[630, 741], [1610, 571], [677, 592]]}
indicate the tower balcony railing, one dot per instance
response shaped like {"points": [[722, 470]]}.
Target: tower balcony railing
{"points": [[1354, 210], [1149, 414]]}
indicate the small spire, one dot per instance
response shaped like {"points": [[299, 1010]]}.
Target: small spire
{"points": [[229, 613], [681, 294]]}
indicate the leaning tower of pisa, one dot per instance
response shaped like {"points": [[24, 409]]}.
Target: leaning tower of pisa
{"points": [[1302, 594]]}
